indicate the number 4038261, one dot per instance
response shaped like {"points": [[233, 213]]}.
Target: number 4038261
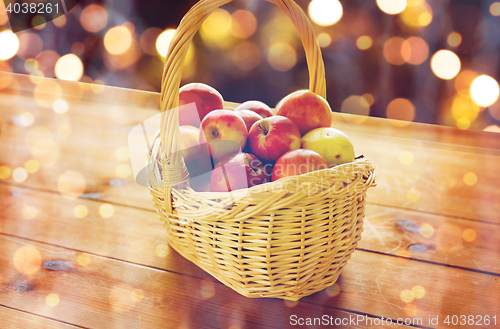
{"points": [[32, 8], [471, 320]]}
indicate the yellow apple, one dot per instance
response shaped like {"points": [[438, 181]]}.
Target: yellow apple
{"points": [[331, 143]]}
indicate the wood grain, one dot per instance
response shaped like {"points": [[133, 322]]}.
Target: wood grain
{"points": [[11, 318]]}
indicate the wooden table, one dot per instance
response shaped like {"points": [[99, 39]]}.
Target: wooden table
{"points": [[81, 245]]}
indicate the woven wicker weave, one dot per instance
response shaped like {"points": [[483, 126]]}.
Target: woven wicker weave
{"points": [[285, 239]]}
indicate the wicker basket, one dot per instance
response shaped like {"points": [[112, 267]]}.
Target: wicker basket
{"points": [[284, 239]]}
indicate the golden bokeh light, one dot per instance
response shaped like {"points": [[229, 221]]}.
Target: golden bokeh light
{"points": [[484, 91], [368, 98], [60, 106], [392, 7], [52, 300], [27, 260], [69, 67], [454, 39], [122, 153], [10, 45], [470, 178], [94, 18], [445, 64], [411, 310], [83, 260], [392, 51], [148, 40], [29, 212], [117, 40], [288, 303], [217, 26], [47, 92], [4, 172], [97, 86], [38, 22], [495, 9], [106, 210], [356, 105], [24, 120], [418, 292], [324, 40], [413, 195], [463, 123], [464, 110], [325, 12], [71, 184], [120, 298], [406, 158], [32, 166], [463, 81], [491, 129], [247, 56], [426, 230], [207, 289], [123, 170], [60, 21], [243, 24], [137, 295], [162, 250], [417, 14], [333, 290], [401, 109], [469, 235], [20, 175], [163, 41], [406, 296], [415, 50], [282, 56], [81, 211], [364, 42]]}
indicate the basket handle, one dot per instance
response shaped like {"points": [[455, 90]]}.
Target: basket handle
{"points": [[175, 171]]}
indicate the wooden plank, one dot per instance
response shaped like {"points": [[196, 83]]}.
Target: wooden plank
{"points": [[11, 318], [433, 182], [97, 292], [134, 234]]}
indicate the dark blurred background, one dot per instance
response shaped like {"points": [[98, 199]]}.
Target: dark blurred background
{"points": [[432, 61]]}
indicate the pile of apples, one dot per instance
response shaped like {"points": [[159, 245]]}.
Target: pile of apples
{"points": [[226, 150]]}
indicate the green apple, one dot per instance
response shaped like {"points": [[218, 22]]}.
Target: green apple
{"points": [[331, 143]]}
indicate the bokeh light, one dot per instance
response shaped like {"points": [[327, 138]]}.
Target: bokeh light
{"points": [[31, 166], [148, 41], [324, 40], [413, 195], [30, 45], [10, 45], [426, 230], [29, 212], [414, 50], [392, 7], [137, 295], [120, 298], [484, 90], [94, 18], [106, 210], [5, 172], [411, 310], [406, 296], [38, 22], [117, 40], [325, 12], [364, 42], [454, 39], [60, 106], [495, 8], [163, 41], [470, 178], [392, 51], [71, 184], [243, 24], [27, 260], [83, 260], [162, 250], [52, 300], [123, 170], [60, 21], [282, 56], [401, 109], [69, 67], [464, 109], [445, 64], [355, 105], [77, 48], [217, 26], [81, 211], [333, 290], [469, 235], [20, 175], [47, 92], [417, 14], [418, 292], [463, 81], [491, 129], [406, 158], [247, 56], [207, 289], [122, 153]]}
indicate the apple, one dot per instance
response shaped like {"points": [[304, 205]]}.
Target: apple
{"points": [[249, 117], [196, 155], [331, 143], [270, 138], [298, 162], [306, 109], [224, 131], [237, 171], [256, 106], [205, 98]]}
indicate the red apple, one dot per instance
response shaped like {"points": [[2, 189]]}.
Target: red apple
{"points": [[298, 162], [272, 137], [256, 106], [224, 131], [249, 117], [306, 109], [235, 172], [205, 98]]}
